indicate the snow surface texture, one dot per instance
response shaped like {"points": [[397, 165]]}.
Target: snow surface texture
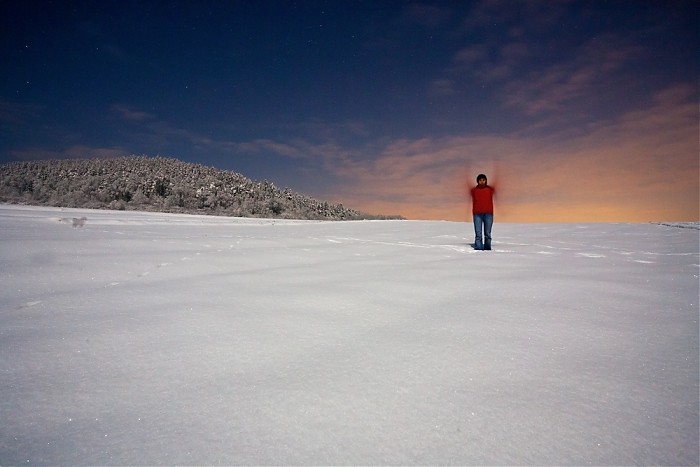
{"points": [[146, 338]]}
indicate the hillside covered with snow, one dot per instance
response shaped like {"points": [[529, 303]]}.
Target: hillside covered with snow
{"points": [[159, 184]]}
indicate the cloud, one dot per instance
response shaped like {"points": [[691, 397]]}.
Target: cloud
{"points": [[131, 115], [581, 77], [471, 55], [639, 167], [148, 131], [442, 87], [535, 67], [317, 129], [289, 150]]}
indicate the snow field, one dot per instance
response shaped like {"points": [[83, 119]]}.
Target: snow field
{"points": [[146, 338]]}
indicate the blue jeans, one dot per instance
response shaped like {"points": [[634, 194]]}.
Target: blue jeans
{"points": [[485, 222]]}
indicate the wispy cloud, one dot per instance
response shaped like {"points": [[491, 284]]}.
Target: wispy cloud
{"points": [[288, 149], [526, 72], [583, 76], [129, 114], [149, 131], [442, 87], [642, 166]]}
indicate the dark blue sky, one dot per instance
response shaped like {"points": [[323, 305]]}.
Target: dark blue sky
{"points": [[574, 106]]}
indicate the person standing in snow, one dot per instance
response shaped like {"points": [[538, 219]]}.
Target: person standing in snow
{"points": [[482, 210]]}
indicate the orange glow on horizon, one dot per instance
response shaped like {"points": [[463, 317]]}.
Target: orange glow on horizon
{"points": [[642, 167]]}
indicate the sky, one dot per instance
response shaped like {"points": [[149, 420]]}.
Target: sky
{"points": [[577, 111]]}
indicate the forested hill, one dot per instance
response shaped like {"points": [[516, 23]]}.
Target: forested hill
{"points": [[159, 184]]}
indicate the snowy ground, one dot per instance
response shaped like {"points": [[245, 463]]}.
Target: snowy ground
{"points": [[143, 338]]}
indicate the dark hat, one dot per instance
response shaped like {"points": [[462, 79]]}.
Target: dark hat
{"points": [[480, 176]]}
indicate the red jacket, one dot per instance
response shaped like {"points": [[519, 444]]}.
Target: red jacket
{"points": [[482, 199]]}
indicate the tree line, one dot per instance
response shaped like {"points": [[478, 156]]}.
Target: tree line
{"points": [[159, 184]]}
